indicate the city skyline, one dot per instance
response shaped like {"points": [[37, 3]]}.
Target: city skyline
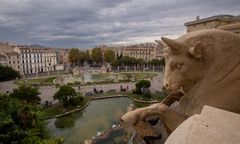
{"points": [[87, 23]]}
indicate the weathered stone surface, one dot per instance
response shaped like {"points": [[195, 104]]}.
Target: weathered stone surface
{"points": [[212, 126]]}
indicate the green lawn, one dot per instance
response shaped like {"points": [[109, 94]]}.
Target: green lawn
{"points": [[38, 81], [139, 75]]}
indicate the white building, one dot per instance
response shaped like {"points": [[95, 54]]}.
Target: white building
{"points": [[146, 51], [37, 60]]}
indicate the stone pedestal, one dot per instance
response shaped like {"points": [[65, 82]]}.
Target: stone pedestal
{"points": [[212, 126]]}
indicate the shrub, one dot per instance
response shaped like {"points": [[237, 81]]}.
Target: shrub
{"points": [[75, 101], [7, 73], [142, 86], [64, 94]]}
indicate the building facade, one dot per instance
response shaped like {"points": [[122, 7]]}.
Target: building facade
{"points": [[3, 60], [13, 60], [10, 56], [37, 60], [224, 22], [63, 56], [146, 51]]}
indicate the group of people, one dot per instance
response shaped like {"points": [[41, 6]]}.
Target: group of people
{"points": [[123, 89]]}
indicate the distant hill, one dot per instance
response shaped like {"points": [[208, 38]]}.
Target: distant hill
{"points": [[37, 46]]}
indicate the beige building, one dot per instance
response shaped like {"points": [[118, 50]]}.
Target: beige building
{"points": [[37, 60], [146, 51], [10, 56], [13, 60], [224, 22], [63, 56], [3, 60], [7, 47]]}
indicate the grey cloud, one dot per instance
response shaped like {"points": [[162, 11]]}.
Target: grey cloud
{"points": [[84, 23]]}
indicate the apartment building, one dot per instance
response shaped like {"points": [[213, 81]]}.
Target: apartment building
{"points": [[3, 60], [224, 22], [146, 51], [10, 56], [37, 60], [63, 56], [13, 60]]}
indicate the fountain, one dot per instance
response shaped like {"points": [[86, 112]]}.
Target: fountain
{"points": [[86, 74]]}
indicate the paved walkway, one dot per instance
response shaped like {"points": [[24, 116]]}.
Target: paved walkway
{"points": [[47, 92]]}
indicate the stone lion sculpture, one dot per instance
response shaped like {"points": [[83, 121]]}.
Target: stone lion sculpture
{"points": [[205, 65]]}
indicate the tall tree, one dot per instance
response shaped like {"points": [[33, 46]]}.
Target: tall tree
{"points": [[74, 56], [7, 73], [27, 94], [22, 123], [64, 94], [109, 56], [81, 57], [97, 56], [140, 61], [87, 56]]}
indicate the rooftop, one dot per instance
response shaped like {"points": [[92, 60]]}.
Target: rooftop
{"points": [[12, 53], [216, 17]]}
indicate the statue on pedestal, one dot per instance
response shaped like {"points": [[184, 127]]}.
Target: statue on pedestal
{"points": [[202, 68]]}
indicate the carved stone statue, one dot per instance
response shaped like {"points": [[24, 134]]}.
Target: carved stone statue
{"points": [[205, 66]]}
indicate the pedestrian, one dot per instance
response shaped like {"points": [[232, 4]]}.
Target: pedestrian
{"points": [[127, 87]]}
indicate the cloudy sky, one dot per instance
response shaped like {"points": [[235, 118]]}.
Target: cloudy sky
{"points": [[86, 23]]}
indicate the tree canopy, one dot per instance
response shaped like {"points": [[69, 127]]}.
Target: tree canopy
{"points": [[27, 94], [64, 94], [22, 123], [109, 56], [7, 73], [97, 56], [74, 56], [142, 84]]}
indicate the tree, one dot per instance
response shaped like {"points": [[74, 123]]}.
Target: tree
{"points": [[74, 56], [157, 62], [162, 61], [97, 56], [141, 85], [119, 56], [27, 94], [87, 56], [22, 123], [81, 57], [140, 61], [7, 73], [109, 56], [64, 94]]}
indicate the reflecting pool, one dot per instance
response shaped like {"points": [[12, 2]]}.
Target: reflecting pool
{"points": [[99, 116]]}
